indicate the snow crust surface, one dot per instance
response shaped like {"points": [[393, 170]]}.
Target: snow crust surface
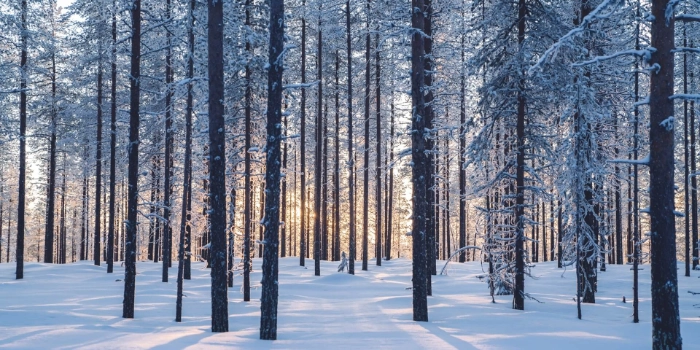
{"points": [[79, 306]]}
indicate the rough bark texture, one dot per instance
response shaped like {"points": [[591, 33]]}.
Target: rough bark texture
{"points": [[318, 176], [351, 159], [664, 280], [519, 290], [421, 164], [133, 151], [112, 146], [247, 196], [187, 176], [217, 167], [268, 302], [303, 232]]}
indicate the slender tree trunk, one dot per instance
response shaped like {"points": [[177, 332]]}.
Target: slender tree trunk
{"points": [[635, 206], [390, 204], [167, 188], [268, 302], [247, 196], [187, 176], [318, 176], [112, 145], [84, 215], [21, 196], [51, 198], [378, 174], [336, 170], [283, 228], [133, 151], [62, 251], [664, 281], [421, 164], [462, 147], [303, 232], [351, 159], [519, 290], [365, 172], [429, 116], [686, 160], [98, 166]]}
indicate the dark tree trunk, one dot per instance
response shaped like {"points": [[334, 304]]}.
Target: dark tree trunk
{"points": [[283, 228], [351, 159], [664, 281], [62, 251], [378, 174], [247, 197], [430, 217], [229, 231], [112, 145], [187, 176], [268, 301], [21, 196], [167, 188], [390, 200], [303, 233], [133, 151], [84, 247], [217, 167], [421, 165], [635, 242], [365, 170], [693, 185], [519, 290], [324, 188], [336, 169], [462, 150], [318, 176], [51, 198], [98, 167]]}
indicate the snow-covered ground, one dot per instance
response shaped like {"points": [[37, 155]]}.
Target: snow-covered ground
{"points": [[79, 306]]}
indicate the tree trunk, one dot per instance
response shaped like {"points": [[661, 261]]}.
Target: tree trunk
{"points": [[268, 300], [247, 197], [378, 174], [519, 290], [462, 147], [664, 281], [51, 198], [187, 176], [167, 188], [302, 141], [421, 164], [112, 145], [318, 155], [336, 169], [98, 166], [351, 159], [365, 170], [21, 196], [133, 151], [217, 167]]}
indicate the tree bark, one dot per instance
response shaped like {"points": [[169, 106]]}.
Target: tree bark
{"points": [[112, 145], [664, 281], [217, 167], [167, 167], [421, 164], [318, 154], [268, 301], [133, 151], [351, 159]]}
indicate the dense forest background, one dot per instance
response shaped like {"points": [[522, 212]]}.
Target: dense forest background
{"points": [[536, 129]]}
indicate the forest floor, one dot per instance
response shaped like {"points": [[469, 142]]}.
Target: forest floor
{"points": [[79, 306]]}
